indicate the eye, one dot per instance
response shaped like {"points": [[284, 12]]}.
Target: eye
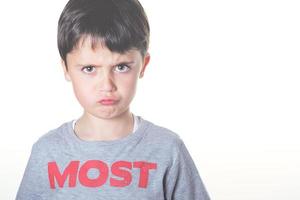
{"points": [[88, 69], [122, 68]]}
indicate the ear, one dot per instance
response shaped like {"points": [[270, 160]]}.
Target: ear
{"points": [[145, 63], [66, 73]]}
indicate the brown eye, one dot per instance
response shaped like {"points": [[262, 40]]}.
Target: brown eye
{"points": [[88, 69], [122, 68]]}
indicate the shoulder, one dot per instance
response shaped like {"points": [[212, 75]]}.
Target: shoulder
{"points": [[167, 145], [163, 137], [53, 137]]}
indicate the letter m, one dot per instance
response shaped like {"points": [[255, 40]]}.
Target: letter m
{"points": [[70, 171]]}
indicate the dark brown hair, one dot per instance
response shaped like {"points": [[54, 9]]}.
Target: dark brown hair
{"points": [[120, 25]]}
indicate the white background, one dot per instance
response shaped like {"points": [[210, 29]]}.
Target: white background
{"points": [[224, 75]]}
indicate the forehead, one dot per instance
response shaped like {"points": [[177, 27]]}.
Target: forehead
{"points": [[88, 45]]}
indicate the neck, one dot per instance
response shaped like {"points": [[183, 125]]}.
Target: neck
{"points": [[91, 128]]}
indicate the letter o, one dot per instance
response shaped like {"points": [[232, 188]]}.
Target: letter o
{"points": [[100, 180]]}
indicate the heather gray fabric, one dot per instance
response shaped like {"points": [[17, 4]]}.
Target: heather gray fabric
{"points": [[150, 164]]}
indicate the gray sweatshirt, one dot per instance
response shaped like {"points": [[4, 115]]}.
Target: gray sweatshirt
{"points": [[151, 163]]}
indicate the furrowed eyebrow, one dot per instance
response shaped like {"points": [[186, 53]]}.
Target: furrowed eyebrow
{"points": [[124, 63], [94, 65]]}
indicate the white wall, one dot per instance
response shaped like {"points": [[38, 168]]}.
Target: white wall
{"points": [[224, 75]]}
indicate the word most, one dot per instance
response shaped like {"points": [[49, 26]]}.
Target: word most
{"points": [[121, 169]]}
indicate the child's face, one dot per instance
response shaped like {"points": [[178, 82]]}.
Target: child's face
{"points": [[101, 74]]}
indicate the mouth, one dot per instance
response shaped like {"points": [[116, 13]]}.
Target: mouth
{"points": [[107, 102]]}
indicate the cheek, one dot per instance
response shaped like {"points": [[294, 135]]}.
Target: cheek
{"points": [[129, 86], [82, 93], [126, 89]]}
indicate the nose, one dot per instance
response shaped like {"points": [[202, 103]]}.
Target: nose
{"points": [[106, 83]]}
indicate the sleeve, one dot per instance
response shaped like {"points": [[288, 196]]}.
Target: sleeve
{"points": [[183, 180], [31, 185]]}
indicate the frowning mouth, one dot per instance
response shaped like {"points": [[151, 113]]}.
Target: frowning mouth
{"points": [[107, 102]]}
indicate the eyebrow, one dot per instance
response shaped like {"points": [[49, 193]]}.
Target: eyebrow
{"points": [[95, 65]]}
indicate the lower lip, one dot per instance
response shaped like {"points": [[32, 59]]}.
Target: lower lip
{"points": [[107, 102]]}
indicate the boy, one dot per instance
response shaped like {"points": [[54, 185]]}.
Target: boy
{"points": [[108, 153]]}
